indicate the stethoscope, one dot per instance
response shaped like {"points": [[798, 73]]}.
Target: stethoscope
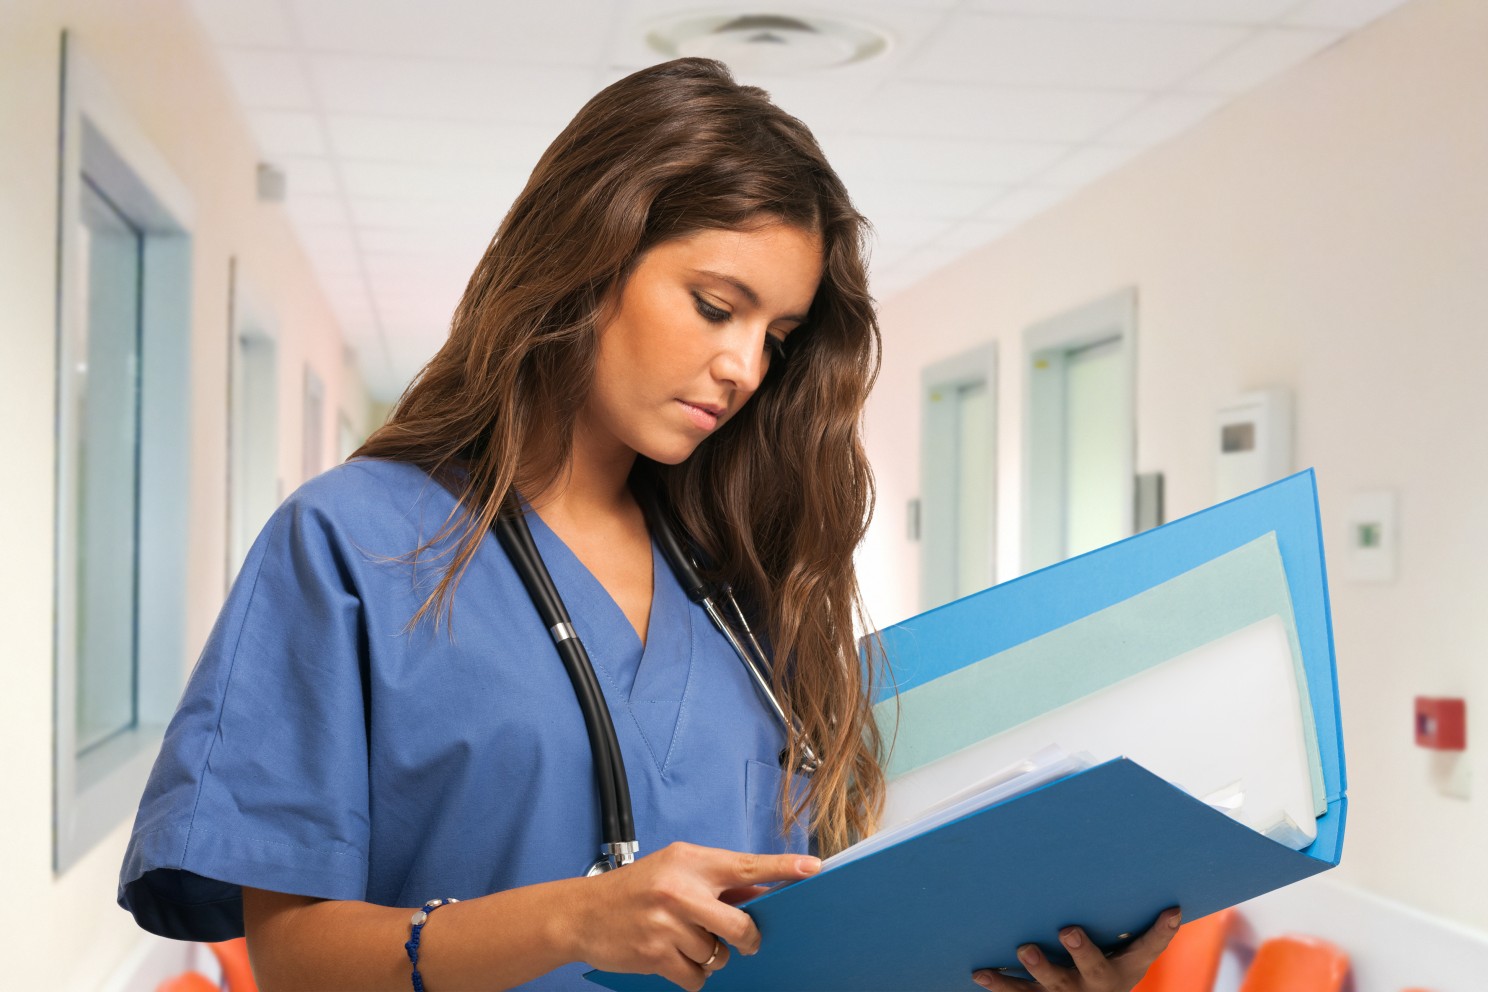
{"points": [[617, 822]]}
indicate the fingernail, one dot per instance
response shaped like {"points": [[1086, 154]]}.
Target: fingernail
{"points": [[982, 978], [809, 866], [1029, 954], [1070, 937], [1175, 919]]}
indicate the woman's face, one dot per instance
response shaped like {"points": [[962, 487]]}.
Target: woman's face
{"points": [[695, 328]]}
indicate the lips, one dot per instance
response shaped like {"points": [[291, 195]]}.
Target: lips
{"points": [[704, 416]]}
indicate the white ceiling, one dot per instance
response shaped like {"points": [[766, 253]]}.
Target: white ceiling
{"points": [[406, 127]]}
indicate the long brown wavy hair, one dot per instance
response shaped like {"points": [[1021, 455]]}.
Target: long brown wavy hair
{"points": [[779, 497]]}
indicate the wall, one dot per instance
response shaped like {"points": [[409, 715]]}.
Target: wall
{"points": [[1327, 233], [158, 63]]}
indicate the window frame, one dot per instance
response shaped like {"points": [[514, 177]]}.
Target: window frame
{"points": [[95, 791]]}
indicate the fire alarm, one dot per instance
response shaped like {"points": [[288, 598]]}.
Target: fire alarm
{"points": [[1441, 724]]}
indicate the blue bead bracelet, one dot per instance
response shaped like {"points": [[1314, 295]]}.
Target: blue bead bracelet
{"points": [[420, 917]]}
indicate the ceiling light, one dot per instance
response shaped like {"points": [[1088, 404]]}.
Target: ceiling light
{"points": [[769, 43]]}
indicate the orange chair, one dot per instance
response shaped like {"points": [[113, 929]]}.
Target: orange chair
{"points": [[1296, 964], [188, 981], [1192, 958], [237, 974]]}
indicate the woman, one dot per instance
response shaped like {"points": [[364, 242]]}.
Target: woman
{"points": [[677, 302]]}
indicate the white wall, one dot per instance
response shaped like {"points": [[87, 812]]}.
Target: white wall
{"points": [[1327, 233], [66, 932]]}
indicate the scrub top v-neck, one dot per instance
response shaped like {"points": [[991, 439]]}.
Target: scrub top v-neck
{"points": [[323, 748]]}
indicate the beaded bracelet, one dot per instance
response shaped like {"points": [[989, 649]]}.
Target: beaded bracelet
{"points": [[420, 917]]}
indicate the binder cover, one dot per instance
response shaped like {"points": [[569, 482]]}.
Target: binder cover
{"points": [[1108, 848]]}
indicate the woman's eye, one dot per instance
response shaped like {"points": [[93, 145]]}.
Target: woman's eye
{"points": [[774, 346], [708, 311]]}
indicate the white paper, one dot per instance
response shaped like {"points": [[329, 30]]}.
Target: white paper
{"points": [[1223, 722]]}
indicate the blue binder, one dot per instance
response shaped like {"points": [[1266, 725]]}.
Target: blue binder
{"points": [[1108, 848]]}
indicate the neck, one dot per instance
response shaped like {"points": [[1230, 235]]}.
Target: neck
{"points": [[594, 482]]}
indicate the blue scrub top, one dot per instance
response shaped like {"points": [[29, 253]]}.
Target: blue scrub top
{"points": [[324, 749]]}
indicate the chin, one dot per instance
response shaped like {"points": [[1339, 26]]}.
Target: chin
{"points": [[672, 452]]}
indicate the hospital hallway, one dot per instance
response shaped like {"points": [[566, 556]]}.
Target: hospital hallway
{"points": [[1131, 259]]}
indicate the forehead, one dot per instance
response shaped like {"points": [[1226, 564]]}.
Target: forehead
{"points": [[779, 262]]}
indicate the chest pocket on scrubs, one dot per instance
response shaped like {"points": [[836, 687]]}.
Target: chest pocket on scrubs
{"points": [[763, 814]]}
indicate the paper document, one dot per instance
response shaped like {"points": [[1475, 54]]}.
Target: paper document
{"points": [[1034, 675], [1046, 766], [1222, 722]]}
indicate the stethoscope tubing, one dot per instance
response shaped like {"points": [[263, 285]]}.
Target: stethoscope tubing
{"points": [[617, 817], [617, 820], [699, 590]]}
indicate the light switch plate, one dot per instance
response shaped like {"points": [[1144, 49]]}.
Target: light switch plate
{"points": [[1372, 537]]}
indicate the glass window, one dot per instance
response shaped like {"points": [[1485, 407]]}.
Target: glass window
{"points": [[106, 396]]}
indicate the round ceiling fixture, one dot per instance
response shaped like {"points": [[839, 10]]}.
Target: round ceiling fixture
{"points": [[769, 43]]}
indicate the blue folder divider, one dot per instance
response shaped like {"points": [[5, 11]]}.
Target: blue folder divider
{"points": [[1109, 847]]}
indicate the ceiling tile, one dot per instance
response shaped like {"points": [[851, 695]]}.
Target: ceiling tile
{"points": [[931, 258], [1185, 11], [418, 268], [1025, 51], [869, 158], [412, 139], [1161, 119], [448, 90], [232, 22], [820, 103], [569, 32], [333, 245], [393, 180], [316, 211], [310, 176], [1348, 14], [898, 234], [1269, 53], [463, 246], [449, 215], [972, 234], [942, 110], [924, 199], [1024, 202], [1087, 164], [284, 134], [269, 80]]}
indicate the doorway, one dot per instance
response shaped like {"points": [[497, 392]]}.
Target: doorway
{"points": [[958, 476], [1080, 430]]}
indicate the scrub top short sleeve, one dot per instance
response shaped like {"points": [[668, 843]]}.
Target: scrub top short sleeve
{"points": [[262, 777]]}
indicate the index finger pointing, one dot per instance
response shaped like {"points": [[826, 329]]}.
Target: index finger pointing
{"points": [[754, 869]]}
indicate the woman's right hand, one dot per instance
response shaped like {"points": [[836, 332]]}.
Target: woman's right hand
{"points": [[666, 913]]}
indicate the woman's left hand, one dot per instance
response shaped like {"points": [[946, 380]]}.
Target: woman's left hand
{"points": [[1093, 971]]}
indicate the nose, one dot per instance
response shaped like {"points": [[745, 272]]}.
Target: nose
{"points": [[740, 361]]}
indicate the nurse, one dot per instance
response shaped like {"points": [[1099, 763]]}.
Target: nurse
{"points": [[678, 299]]}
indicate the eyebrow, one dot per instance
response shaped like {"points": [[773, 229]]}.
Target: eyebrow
{"points": [[749, 293]]}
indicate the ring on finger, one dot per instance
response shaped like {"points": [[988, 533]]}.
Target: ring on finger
{"points": [[717, 950]]}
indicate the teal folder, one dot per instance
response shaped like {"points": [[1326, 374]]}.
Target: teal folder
{"points": [[1108, 848]]}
